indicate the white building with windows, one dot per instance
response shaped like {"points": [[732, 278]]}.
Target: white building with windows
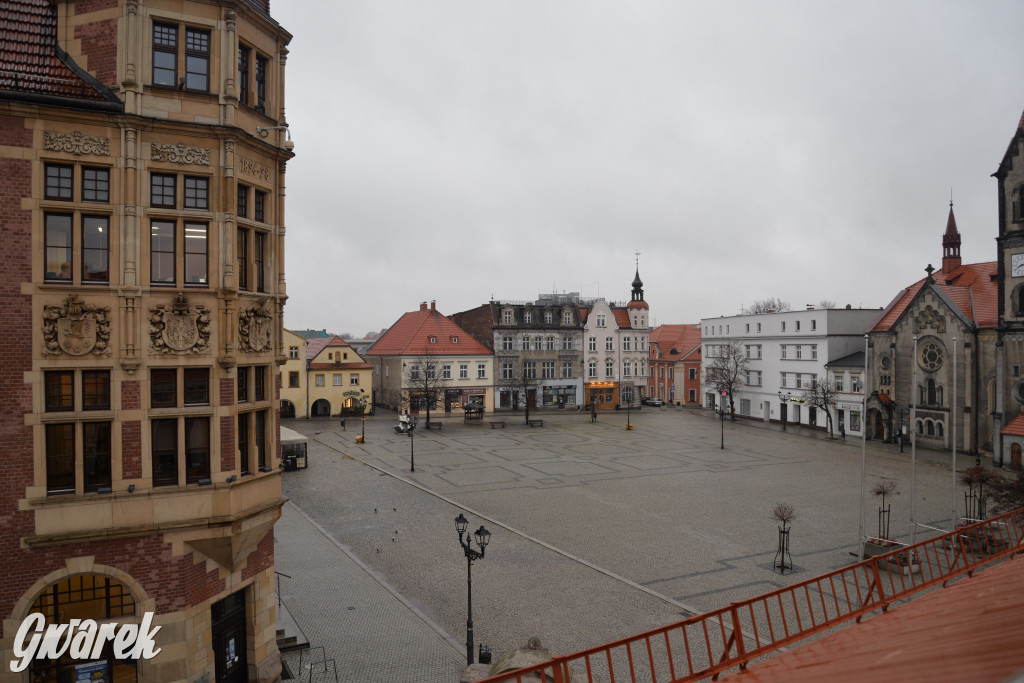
{"points": [[615, 353], [785, 351]]}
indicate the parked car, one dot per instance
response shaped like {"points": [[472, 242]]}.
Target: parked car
{"points": [[653, 402]]}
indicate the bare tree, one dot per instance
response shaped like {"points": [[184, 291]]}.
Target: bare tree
{"points": [[772, 304], [522, 378], [827, 304], [785, 513], [821, 394], [728, 371], [1008, 491], [427, 378]]}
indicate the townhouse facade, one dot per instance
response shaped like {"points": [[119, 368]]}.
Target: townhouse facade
{"points": [[674, 362], [426, 361], [338, 380], [784, 353], [616, 352], [537, 349], [143, 149]]}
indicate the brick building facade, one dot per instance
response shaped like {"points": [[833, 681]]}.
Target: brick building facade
{"points": [[143, 154]]}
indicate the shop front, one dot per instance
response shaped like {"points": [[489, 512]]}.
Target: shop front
{"points": [[559, 397], [602, 395]]}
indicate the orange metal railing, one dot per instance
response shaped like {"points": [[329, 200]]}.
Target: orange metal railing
{"points": [[708, 644]]}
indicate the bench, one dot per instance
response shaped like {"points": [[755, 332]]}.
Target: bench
{"points": [[434, 423], [535, 423], [498, 423]]}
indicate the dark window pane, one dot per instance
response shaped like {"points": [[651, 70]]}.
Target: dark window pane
{"points": [[243, 259], [58, 247], [243, 384], [163, 388], [260, 199], [197, 449], [259, 382], [96, 390], [243, 201], [260, 437], [96, 455], [162, 252], [197, 59], [165, 55], [195, 254], [293, 379], [95, 184], [165, 452], [243, 443], [197, 193], [259, 256], [243, 74], [60, 458], [261, 84], [95, 249], [60, 393], [162, 190], [59, 181], [197, 386]]}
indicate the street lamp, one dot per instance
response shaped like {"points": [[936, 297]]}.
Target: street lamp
{"points": [[629, 402], [362, 416], [721, 417], [783, 413], [412, 446], [483, 537]]}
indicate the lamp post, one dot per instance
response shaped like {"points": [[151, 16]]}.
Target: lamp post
{"points": [[784, 414], [362, 415], [412, 446], [721, 417], [629, 402], [483, 537]]}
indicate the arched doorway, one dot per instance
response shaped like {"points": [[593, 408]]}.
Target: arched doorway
{"points": [[876, 425], [321, 408], [287, 409], [84, 596]]}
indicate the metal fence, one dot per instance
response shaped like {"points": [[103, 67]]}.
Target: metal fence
{"points": [[708, 644]]}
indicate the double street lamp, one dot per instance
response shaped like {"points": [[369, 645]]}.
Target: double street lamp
{"points": [[783, 409], [721, 416], [483, 537]]}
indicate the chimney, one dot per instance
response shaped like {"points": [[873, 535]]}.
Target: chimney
{"points": [[433, 306], [423, 305]]}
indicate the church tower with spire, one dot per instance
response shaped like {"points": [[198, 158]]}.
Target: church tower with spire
{"points": [[950, 244]]}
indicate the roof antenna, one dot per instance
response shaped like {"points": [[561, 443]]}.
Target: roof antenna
{"points": [[951, 197]]}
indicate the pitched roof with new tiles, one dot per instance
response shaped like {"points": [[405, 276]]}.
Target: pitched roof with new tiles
{"points": [[674, 342], [32, 65], [412, 333], [1015, 428], [971, 289]]}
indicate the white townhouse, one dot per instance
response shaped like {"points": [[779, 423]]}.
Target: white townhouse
{"points": [[785, 351]]}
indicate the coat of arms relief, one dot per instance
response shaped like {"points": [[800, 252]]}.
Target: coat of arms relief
{"points": [[76, 328], [181, 328], [254, 325]]}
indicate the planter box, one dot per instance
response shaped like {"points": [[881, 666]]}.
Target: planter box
{"points": [[907, 566]]}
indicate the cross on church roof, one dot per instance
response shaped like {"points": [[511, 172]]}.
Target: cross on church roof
{"points": [[929, 270]]}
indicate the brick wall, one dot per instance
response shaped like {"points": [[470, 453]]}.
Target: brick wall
{"points": [[260, 559], [99, 42], [227, 391], [227, 443]]}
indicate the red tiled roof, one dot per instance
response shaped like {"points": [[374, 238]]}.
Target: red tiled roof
{"points": [[1015, 428], [31, 62], [970, 288], [411, 334], [674, 341], [968, 631], [622, 318]]}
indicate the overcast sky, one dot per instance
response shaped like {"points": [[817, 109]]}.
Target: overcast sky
{"points": [[455, 150]]}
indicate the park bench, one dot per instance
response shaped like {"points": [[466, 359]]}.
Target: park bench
{"points": [[498, 423], [434, 423], [535, 423]]}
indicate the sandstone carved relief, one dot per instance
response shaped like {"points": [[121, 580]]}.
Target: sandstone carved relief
{"points": [[181, 328], [180, 154], [76, 328], [76, 143], [254, 325]]}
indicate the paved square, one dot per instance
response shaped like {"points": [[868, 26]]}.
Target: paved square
{"points": [[598, 532]]}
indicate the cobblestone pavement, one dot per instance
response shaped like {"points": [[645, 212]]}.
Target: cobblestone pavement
{"points": [[597, 532]]}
